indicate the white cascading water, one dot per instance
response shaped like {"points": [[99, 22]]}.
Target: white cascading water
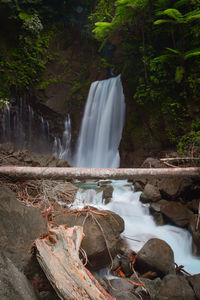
{"points": [[24, 128], [102, 125], [139, 224], [62, 148], [27, 130]]}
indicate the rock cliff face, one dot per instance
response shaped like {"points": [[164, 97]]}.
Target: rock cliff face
{"points": [[74, 66]]}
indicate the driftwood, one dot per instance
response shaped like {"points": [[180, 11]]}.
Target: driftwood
{"points": [[58, 255], [179, 158], [55, 173]]}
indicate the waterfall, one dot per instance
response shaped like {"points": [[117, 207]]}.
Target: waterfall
{"points": [[62, 148], [28, 130], [102, 125], [24, 128]]}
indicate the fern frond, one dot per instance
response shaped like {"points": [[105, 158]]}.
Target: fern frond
{"points": [[193, 15], [177, 52], [180, 3], [162, 21], [191, 53], [174, 14], [161, 59]]}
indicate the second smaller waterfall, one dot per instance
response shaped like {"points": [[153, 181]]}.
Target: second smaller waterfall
{"points": [[102, 125], [62, 148]]}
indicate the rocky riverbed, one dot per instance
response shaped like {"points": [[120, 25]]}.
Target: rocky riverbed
{"points": [[150, 273]]}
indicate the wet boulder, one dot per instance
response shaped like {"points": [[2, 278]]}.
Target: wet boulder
{"points": [[172, 188], [157, 206], [175, 288], [122, 262], [159, 219], [150, 194], [20, 225], [195, 205], [153, 287], [121, 289], [102, 230], [107, 193], [13, 283], [173, 212], [176, 213], [157, 256], [195, 232], [194, 282], [138, 186]]}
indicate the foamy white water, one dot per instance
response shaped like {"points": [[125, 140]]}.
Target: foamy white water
{"points": [[139, 224], [62, 147], [102, 125]]}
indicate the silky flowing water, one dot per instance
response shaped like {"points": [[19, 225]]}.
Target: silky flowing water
{"points": [[28, 130], [102, 126], [139, 224]]}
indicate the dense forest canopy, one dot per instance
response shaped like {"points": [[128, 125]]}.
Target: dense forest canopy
{"points": [[153, 44]]}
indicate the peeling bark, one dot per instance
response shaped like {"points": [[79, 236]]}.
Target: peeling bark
{"points": [[55, 173], [58, 255]]}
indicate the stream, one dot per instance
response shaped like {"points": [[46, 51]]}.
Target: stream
{"points": [[139, 224]]}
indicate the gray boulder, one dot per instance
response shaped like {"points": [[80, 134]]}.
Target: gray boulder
{"points": [[195, 234], [156, 255], [157, 206], [151, 162], [176, 213], [121, 289], [139, 186], [150, 194], [175, 288], [158, 219], [101, 230], [155, 209], [172, 188], [195, 205], [153, 287], [19, 226], [194, 281], [107, 193], [13, 283], [24, 158]]}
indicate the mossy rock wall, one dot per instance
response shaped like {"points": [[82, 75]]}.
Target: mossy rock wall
{"points": [[66, 81]]}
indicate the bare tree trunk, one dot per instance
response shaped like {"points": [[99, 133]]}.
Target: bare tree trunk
{"points": [[94, 173], [58, 255]]}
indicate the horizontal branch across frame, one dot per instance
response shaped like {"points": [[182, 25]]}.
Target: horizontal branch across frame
{"points": [[55, 173]]}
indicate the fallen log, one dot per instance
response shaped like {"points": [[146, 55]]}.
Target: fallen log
{"points": [[58, 255], [56, 173]]}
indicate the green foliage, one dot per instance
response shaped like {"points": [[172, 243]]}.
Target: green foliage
{"points": [[191, 53], [44, 84], [179, 74], [189, 144], [103, 30], [176, 17], [23, 67], [123, 15], [158, 42], [3, 101], [174, 14], [26, 28]]}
